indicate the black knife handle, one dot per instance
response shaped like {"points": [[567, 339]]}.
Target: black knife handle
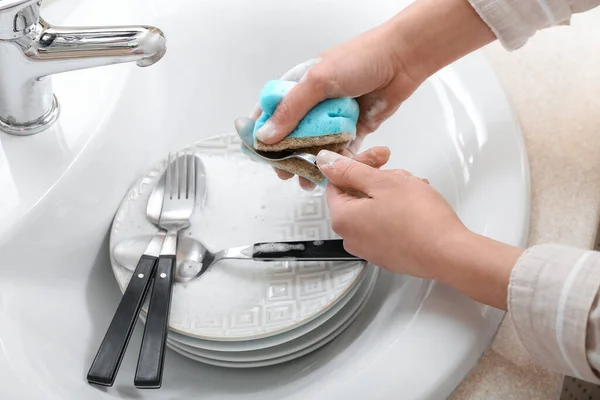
{"points": [[305, 250], [110, 354], [148, 374]]}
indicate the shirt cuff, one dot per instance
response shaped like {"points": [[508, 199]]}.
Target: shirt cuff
{"points": [[551, 293], [515, 21]]}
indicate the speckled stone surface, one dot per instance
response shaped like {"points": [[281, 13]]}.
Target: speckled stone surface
{"points": [[554, 86]]}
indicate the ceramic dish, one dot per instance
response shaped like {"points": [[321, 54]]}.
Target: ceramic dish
{"points": [[299, 351], [271, 341], [302, 342], [240, 300]]}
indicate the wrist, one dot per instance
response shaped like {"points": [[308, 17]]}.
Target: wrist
{"points": [[431, 34], [477, 266]]}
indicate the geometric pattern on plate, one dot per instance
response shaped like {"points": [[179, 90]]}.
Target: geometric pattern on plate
{"points": [[287, 351], [245, 203]]}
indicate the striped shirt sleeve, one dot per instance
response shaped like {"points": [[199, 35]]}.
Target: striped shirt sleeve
{"points": [[553, 303], [515, 21]]}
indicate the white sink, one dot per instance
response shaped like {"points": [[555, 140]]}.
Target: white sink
{"points": [[59, 190]]}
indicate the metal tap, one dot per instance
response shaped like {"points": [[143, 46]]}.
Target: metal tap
{"points": [[31, 51]]}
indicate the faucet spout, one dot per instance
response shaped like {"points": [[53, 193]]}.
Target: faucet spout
{"points": [[33, 50], [67, 49]]}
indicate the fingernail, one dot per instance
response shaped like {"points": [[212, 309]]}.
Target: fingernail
{"points": [[326, 158], [266, 131]]}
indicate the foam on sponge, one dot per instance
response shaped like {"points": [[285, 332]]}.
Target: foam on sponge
{"points": [[330, 125]]}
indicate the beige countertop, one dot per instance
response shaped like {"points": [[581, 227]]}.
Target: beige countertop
{"points": [[553, 84]]}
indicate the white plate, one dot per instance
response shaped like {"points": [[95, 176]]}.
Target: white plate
{"points": [[262, 343], [307, 348], [240, 300], [302, 342]]}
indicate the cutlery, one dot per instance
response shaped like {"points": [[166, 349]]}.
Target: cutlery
{"points": [[315, 250], [192, 255], [127, 252], [245, 129], [106, 364], [178, 205]]}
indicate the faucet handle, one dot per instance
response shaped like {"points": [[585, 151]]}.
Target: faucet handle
{"points": [[18, 17]]}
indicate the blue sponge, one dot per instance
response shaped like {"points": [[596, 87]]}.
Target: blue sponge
{"points": [[329, 125], [330, 117]]}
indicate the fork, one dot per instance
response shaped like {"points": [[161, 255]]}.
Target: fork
{"points": [[177, 208]]}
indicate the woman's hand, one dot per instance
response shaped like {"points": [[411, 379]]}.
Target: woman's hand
{"points": [[404, 225], [399, 223], [380, 68], [367, 68]]}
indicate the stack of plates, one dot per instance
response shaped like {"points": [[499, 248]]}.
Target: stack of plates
{"points": [[246, 314]]}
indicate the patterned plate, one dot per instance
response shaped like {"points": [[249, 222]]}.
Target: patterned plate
{"points": [[270, 341], [283, 358], [300, 343], [246, 203]]}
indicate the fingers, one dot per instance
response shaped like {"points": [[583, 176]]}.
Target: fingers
{"points": [[303, 97], [337, 198], [284, 175], [375, 157], [356, 143], [346, 173], [306, 184], [344, 209]]}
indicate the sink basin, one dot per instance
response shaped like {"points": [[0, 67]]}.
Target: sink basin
{"points": [[59, 191]]}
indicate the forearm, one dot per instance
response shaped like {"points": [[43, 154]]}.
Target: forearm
{"points": [[430, 34]]}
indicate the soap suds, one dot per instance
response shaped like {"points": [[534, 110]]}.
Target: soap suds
{"points": [[377, 107], [298, 72], [278, 247], [248, 252]]}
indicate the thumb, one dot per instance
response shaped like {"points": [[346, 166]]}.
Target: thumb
{"points": [[294, 106], [347, 173]]}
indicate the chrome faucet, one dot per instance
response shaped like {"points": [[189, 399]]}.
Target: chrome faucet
{"points": [[31, 51]]}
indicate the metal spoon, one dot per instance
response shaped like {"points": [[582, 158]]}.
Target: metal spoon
{"points": [[245, 128], [197, 259]]}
